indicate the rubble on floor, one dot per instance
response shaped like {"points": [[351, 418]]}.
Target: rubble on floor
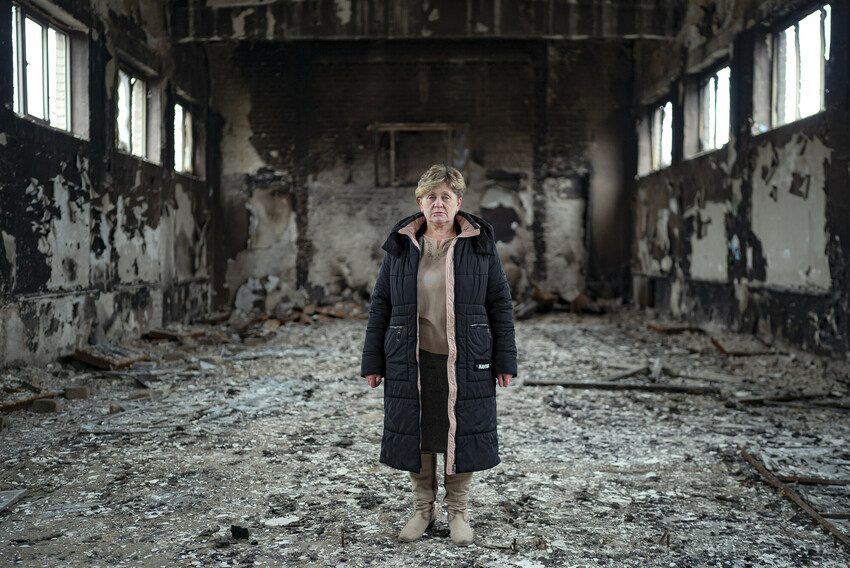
{"points": [[214, 451]]}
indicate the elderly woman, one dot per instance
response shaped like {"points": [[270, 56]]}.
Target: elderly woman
{"points": [[441, 332]]}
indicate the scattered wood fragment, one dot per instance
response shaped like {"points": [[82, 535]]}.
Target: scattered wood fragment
{"points": [[673, 329], [37, 539], [525, 309], [842, 516], [217, 318], [582, 303], [628, 372], [785, 397], [795, 497], [27, 402], [838, 404], [9, 498], [543, 296], [732, 353], [703, 376], [626, 364], [805, 480], [609, 385], [175, 334], [108, 356]]}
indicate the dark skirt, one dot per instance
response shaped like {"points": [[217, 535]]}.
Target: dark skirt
{"points": [[433, 376]]}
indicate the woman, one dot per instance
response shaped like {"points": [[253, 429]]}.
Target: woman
{"points": [[441, 332]]}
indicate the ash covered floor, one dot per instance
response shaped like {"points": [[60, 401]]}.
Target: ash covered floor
{"points": [[282, 439]]}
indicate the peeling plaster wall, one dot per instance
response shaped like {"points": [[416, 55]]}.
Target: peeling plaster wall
{"points": [[305, 218], [708, 242], [96, 244], [754, 235], [789, 212]]}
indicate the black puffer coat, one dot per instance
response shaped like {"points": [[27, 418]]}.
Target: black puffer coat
{"points": [[480, 333]]}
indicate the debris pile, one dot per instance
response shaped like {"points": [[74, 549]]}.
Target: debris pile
{"points": [[212, 451]]}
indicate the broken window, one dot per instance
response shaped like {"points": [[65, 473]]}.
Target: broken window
{"points": [[800, 53], [131, 116], [40, 69], [183, 144], [714, 110], [661, 136]]}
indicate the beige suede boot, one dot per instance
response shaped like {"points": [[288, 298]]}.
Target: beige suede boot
{"points": [[457, 498], [424, 497]]}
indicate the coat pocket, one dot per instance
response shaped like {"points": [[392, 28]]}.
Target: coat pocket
{"points": [[479, 351], [395, 352]]}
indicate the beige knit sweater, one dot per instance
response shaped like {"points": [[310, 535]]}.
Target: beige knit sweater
{"points": [[431, 294]]}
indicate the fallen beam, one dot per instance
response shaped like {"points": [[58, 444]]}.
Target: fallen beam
{"points": [[108, 356], [795, 497], [704, 376], [787, 397], [630, 372], [608, 385], [819, 403], [26, 402], [719, 346], [806, 480], [673, 329], [842, 516]]}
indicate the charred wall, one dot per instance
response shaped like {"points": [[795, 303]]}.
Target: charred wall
{"points": [[99, 244], [753, 235], [300, 155]]}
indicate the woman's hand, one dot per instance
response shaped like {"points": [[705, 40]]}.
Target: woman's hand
{"points": [[374, 380], [505, 379]]}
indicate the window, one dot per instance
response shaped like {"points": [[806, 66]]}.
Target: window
{"points": [[714, 110], [800, 53], [183, 144], [41, 70], [661, 136], [131, 116], [400, 149]]}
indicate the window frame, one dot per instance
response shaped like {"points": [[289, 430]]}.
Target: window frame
{"points": [[655, 155], [704, 80], [390, 131], [19, 14], [133, 74], [773, 34], [187, 109]]}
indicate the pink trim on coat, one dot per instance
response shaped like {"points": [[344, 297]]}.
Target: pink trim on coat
{"points": [[466, 230], [410, 230]]}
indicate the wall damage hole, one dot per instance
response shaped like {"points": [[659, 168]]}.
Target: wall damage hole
{"points": [[505, 221], [800, 185]]}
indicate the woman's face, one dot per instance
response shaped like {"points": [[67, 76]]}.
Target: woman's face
{"points": [[439, 205]]}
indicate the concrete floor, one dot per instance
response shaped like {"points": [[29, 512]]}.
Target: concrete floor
{"points": [[283, 438]]}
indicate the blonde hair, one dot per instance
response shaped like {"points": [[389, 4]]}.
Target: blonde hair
{"points": [[439, 174]]}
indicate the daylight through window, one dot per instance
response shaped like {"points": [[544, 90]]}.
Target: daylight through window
{"points": [[799, 67], [714, 110], [183, 146], [40, 70], [131, 116], [661, 136]]}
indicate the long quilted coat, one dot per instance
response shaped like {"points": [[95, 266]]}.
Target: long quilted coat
{"points": [[481, 341]]}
